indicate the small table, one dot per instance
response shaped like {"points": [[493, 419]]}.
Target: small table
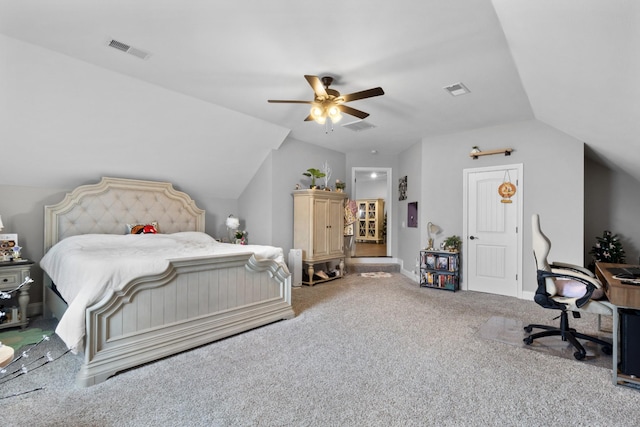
{"points": [[6, 355], [621, 296], [12, 274]]}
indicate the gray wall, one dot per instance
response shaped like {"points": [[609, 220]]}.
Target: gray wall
{"points": [[612, 202], [552, 184], [266, 206], [372, 188], [411, 239]]}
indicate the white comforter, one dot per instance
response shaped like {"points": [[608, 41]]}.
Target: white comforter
{"points": [[84, 268]]}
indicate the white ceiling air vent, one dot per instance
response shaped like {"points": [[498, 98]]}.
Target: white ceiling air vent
{"points": [[128, 49], [358, 125], [457, 89]]}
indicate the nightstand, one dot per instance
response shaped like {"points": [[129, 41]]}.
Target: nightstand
{"points": [[12, 274]]}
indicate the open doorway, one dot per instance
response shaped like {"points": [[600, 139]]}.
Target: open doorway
{"points": [[371, 233]]}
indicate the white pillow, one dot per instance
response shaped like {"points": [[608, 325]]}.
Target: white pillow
{"points": [[575, 289]]}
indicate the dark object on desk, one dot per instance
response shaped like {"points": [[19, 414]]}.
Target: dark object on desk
{"points": [[626, 272], [630, 341]]}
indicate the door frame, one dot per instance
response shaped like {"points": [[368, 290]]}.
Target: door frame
{"points": [[465, 219], [388, 199]]}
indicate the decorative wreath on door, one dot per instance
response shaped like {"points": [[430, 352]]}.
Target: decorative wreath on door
{"points": [[507, 189]]}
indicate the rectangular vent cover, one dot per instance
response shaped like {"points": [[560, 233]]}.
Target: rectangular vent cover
{"points": [[457, 89], [358, 125], [139, 53]]}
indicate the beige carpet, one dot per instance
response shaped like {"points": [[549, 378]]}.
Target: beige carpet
{"points": [[360, 352]]}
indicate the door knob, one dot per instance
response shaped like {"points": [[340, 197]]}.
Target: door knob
{"points": [[473, 237]]}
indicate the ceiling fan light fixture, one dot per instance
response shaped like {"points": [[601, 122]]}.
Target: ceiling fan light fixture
{"points": [[317, 112], [328, 103], [334, 113]]}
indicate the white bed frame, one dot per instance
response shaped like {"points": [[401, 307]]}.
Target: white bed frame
{"points": [[194, 302]]}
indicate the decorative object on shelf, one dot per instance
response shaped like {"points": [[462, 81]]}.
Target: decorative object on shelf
{"points": [[402, 188], [452, 243], [232, 224], [432, 230], [313, 174], [608, 248], [340, 186], [326, 169], [240, 237], [475, 152], [16, 252], [507, 189]]}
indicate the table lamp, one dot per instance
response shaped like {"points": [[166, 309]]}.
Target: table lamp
{"points": [[432, 229]]}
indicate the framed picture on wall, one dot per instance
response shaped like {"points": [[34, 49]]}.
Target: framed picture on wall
{"points": [[412, 214], [402, 188]]}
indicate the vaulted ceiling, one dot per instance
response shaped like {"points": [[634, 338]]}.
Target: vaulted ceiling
{"points": [[569, 63]]}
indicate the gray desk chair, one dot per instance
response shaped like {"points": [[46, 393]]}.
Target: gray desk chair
{"points": [[552, 278]]}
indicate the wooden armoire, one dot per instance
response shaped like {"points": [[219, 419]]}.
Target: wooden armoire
{"points": [[318, 223]]}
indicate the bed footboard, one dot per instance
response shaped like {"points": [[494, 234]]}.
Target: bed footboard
{"points": [[194, 302]]}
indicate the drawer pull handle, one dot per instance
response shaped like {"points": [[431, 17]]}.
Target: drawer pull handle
{"points": [[5, 280]]}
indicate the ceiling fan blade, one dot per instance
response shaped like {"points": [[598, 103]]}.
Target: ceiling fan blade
{"points": [[363, 94], [281, 101], [317, 86], [353, 112]]}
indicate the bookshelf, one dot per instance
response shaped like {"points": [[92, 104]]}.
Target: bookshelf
{"points": [[440, 269]]}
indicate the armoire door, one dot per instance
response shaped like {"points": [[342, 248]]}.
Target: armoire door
{"points": [[335, 227], [321, 220]]}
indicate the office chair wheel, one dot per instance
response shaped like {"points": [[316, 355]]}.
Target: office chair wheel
{"points": [[528, 329], [579, 355], [528, 340], [607, 350]]}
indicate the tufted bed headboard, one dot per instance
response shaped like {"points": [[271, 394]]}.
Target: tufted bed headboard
{"points": [[108, 206]]}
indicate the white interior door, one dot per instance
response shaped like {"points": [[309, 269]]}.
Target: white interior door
{"points": [[493, 244]]}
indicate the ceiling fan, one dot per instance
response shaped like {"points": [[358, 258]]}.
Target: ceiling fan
{"points": [[328, 103]]}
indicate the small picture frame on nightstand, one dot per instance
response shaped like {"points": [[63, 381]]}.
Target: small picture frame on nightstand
{"points": [[7, 243]]}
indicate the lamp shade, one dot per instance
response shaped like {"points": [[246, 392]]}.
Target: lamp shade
{"points": [[232, 222]]}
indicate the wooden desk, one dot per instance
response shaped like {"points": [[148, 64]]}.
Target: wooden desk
{"points": [[621, 296]]}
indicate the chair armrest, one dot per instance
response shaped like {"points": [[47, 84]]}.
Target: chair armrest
{"points": [[568, 274], [573, 267]]}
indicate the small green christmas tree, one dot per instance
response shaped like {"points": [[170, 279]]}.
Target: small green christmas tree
{"points": [[608, 249]]}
